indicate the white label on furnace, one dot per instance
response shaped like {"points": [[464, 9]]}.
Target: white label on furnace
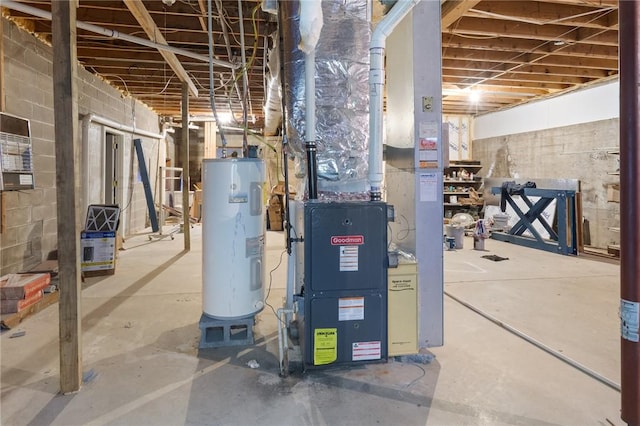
{"points": [[350, 308], [348, 258], [630, 320], [363, 351]]}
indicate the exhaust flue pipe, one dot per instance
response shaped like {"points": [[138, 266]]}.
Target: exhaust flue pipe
{"points": [[376, 91]]}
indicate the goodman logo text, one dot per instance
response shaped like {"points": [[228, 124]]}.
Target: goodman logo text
{"points": [[347, 240]]}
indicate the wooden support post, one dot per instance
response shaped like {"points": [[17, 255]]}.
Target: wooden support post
{"points": [[210, 129], [2, 92], [67, 181], [185, 166]]}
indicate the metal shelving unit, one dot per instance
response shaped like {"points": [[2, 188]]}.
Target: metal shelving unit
{"points": [[460, 181]]}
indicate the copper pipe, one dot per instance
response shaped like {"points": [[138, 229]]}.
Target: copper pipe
{"points": [[629, 13]]}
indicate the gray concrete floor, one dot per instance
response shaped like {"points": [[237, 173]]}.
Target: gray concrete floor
{"points": [[140, 339]]}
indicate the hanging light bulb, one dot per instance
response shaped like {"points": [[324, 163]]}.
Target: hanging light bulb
{"points": [[474, 96]]}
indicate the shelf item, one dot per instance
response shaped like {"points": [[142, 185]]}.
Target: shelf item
{"points": [[462, 187]]}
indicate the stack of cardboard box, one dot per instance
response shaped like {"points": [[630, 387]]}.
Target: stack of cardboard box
{"points": [[19, 291]]}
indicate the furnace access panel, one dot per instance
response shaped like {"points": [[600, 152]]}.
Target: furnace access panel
{"points": [[345, 291]]}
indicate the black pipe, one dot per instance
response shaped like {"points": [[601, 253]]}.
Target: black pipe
{"points": [[629, 57], [312, 169], [287, 216], [285, 140]]}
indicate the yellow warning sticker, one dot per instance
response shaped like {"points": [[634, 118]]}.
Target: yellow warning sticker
{"points": [[325, 346]]}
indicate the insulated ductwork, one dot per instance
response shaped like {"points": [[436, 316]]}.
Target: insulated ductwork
{"points": [[342, 100], [273, 101]]}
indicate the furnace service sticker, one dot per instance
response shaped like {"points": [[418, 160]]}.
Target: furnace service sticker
{"points": [[348, 250], [325, 346], [351, 309], [630, 320], [348, 258], [364, 351]]}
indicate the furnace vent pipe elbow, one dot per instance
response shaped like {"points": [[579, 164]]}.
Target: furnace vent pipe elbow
{"points": [[376, 91]]}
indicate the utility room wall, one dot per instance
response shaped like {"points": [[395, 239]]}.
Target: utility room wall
{"points": [[29, 229], [581, 151]]}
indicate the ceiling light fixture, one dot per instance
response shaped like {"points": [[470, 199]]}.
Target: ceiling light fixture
{"points": [[474, 96], [225, 118]]}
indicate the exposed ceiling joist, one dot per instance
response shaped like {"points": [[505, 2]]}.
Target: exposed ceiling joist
{"points": [[142, 15], [512, 51], [452, 10]]}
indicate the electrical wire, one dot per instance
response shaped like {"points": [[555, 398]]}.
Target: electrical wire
{"points": [[405, 231], [225, 34], [424, 373], [212, 99], [269, 288], [166, 85]]}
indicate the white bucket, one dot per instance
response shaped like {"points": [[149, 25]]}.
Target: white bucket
{"points": [[500, 221], [478, 243], [456, 232]]}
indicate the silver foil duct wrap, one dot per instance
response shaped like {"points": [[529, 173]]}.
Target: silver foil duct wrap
{"points": [[342, 96], [273, 101]]}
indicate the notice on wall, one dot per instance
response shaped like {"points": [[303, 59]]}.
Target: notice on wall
{"points": [[428, 145], [364, 351], [428, 187], [630, 320], [348, 258], [325, 346], [350, 308]]}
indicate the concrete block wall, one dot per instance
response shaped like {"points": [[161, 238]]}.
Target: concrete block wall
{"points": [[581, 151], [30, 222]]}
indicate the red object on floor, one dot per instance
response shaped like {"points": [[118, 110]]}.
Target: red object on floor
{"points": [[22, 286], [10, 306]]}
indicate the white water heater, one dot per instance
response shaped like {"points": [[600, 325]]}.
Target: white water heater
{"points": [[233, 266]]}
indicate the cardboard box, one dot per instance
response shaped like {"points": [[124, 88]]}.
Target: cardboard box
{"points": [[275, 213], [98, 250], [22, 286], [403, 309], [10, 306]]}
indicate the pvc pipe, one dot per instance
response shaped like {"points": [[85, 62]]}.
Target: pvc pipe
{"points": [[283, 340], [376, 90], [118, 126], [114, 34]]}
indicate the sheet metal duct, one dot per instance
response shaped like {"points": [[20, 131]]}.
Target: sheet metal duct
{"points": [[342, 100]]}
